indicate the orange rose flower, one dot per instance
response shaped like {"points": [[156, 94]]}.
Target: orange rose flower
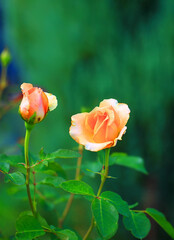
{"points": [[102, 127], [35, 103]]}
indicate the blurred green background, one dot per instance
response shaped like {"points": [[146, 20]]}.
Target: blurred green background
{"points": [[84, 52]]}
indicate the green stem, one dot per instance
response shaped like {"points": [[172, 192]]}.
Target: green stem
{"points": [[79, 162], [70, 200], [103, 179], [90, 229], [107, 151], [34, 184], [66, 210], [26, 145], [142, 211], [3, 80]]}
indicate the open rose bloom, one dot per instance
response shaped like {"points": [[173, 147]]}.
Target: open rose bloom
{"points": [[35, 103], [102, 127]]}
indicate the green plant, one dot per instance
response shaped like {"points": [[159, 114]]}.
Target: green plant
{"points": [[107, 206]]}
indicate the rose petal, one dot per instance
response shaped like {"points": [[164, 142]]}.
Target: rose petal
{"points": [[77, 128], [102, 127], [45, 101], [52, 101], [26, 87], [78, 133], [109, 102], [95, 147], [100, 123], [24, 107], [111, 132], [122, 111], [123, 131], [38, 103]]}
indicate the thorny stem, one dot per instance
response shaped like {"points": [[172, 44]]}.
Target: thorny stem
{"points": [[103, 179], [27, 165], [70, 200]]}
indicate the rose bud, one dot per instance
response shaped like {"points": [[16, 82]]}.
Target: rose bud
{"points": [[35, 103], [5, 57], [102, 127]]}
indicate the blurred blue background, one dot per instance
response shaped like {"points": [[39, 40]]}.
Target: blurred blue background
{"points": [[87, 51]]}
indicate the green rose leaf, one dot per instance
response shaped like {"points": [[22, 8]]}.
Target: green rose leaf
{"points": [[53, 181], [5, 167], [60, 153], [106, 217], [66, 234], [136, 163], [77, 187], [133, 205], [28, 228], [138, 224], [90, 168], [42, 221], [16, 177], [57, 168], [161, 220], [115, 199], [13, 160]]}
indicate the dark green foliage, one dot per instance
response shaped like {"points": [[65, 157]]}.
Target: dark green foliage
{"points": [[60, 153], [13, 160], [28, 228], [106, 217], [87, 51], [66, 234], [77, 187], [117, 201], [138, 224], [161, 220], [5, 167], [121, 159], [53, 181], [16, 177]]}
